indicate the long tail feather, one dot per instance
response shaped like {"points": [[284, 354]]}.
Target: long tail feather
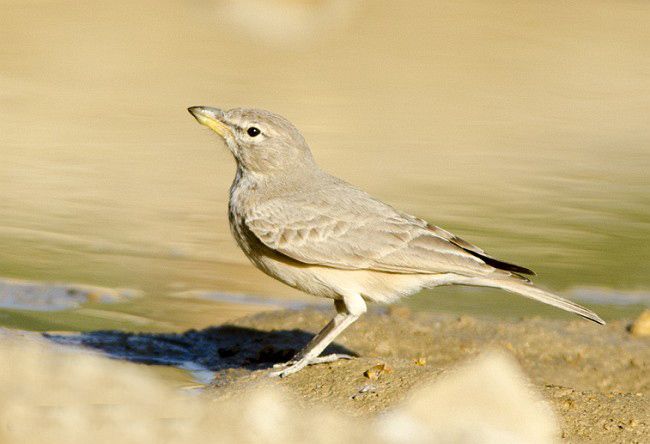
{"points": [[530, 291]]}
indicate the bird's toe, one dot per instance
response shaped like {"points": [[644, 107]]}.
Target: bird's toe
{"points": [[329, 358], [294, 366]]}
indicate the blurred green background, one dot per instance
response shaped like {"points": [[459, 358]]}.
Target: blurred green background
{"points": [[520, 126]]}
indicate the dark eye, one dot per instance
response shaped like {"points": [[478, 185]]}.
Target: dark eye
{"points": [[253, 131]]}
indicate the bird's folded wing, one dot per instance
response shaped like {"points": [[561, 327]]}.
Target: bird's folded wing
{"points": [[365, 234], [478, 252]]}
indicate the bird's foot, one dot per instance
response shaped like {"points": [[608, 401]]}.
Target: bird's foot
{"points": [[294, 366]]}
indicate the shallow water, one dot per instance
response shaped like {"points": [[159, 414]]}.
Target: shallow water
{"points": [[520, 127]]}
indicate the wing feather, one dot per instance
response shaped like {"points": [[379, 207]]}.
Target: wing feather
{"points": [[356, 233]]}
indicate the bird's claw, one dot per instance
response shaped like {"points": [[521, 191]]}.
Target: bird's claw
{"points": [[294, 366], [284, 364]]}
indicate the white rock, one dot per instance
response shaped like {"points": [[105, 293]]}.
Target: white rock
{"points": [[486, 401]]}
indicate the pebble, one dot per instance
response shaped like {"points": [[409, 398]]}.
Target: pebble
{"points": [[421, 361], [641, 326], [373, 373], [368, 388]]}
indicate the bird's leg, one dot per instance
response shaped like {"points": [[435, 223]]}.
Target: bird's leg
{"points": [[319, 342], [348, 310]]}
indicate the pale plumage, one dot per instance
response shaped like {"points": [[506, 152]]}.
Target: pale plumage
{"points": [[321, 235], [353, 231]]}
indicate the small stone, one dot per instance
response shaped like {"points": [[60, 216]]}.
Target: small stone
{"points": [[368, 388], [421, 361], [641, 326], [373, 373]]}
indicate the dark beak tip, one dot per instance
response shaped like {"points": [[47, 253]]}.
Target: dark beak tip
{"points": [[203, 112]]}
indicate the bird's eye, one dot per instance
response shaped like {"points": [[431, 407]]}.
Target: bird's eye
{"points": [[253, 131]]}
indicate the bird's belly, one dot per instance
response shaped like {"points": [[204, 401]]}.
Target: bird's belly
{"points": [[375, 286], [334, 283]]}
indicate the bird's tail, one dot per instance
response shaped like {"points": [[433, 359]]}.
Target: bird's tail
{"points": [[526, 289]]}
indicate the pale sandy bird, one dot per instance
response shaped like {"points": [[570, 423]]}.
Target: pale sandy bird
{"points": [[325, 237]]}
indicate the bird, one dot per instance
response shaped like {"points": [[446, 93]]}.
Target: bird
{"points": [[323, 236]]}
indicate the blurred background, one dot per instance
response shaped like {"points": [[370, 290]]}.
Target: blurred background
{"points": [[520, 126]]}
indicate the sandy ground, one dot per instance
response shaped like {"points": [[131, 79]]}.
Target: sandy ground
{"points": [[596, 378]]}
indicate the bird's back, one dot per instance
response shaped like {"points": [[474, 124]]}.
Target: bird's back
{"points": [[328, 222]]}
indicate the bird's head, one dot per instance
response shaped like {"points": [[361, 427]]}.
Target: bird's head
{"points": [[261, 141]]}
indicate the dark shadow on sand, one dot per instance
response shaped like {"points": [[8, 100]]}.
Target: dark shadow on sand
{"points": [[214, 348]]}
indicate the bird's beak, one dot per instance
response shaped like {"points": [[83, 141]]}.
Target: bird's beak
{"points": [[212, 118]]}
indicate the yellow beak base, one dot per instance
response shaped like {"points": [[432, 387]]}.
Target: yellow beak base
{"points": [[209, 117]]}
